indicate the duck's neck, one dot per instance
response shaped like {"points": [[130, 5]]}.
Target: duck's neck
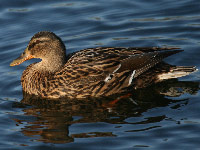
{"points": [[51, 64]]}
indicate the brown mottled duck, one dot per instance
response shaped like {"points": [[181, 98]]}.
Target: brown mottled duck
{"points": [[92, 72]]}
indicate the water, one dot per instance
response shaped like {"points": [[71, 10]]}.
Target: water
{"points": [[153, 121]]}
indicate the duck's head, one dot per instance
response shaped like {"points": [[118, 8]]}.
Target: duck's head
{"points": [[46, 46]]}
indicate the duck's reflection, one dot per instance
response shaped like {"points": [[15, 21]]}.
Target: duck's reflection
{"points": [[52, 118]]}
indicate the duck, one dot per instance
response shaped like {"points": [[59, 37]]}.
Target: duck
{"points": [[92, 72]]}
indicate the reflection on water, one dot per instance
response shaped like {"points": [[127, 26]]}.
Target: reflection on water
{"points": [[53, 118]]}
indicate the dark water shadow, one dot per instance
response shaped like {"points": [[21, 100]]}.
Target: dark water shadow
{"points": [[53, 118]]}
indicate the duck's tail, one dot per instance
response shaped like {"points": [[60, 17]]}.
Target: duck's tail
{"points": [[176, 72]]}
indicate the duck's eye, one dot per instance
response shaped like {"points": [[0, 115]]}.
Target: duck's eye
{"points": [[33, 44], [37, 41]]}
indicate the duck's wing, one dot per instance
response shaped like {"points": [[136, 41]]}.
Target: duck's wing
{"points": [[142, 62], [116, 60]]}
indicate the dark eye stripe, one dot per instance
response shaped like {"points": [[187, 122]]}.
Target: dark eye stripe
{"points": [[35, 43]]}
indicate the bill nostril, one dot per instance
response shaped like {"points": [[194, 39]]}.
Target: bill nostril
{"points": [[23, 53]]}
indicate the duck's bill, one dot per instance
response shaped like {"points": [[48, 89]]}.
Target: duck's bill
{"points": [[21, 59]]}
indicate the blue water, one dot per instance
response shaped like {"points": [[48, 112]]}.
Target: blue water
{"points": [[163, 117]]}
